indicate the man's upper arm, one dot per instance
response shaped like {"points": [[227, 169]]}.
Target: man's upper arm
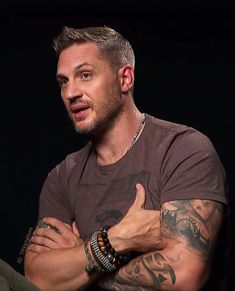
{"points": [[54, 199], [193, 223]]}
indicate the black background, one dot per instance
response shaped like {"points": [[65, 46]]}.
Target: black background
{"points": [[185, 58]]}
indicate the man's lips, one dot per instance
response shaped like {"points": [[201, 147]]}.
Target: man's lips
{"points": [[78, 107], [79, 111]]}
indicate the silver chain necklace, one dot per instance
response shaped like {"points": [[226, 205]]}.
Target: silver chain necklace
{"points": [[136, 136], [138, 131]]}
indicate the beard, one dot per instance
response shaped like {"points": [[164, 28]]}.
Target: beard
{"points": [[107, 114]]}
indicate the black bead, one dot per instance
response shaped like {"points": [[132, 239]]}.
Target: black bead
{"points": [[116, 255], [104, 233], [110, 257]]}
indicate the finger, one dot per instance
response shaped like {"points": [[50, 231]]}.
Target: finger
{"points": [[140, 196], [53, 240], [42, 224], [37, 248], [56, 224], [46, 233], [44, 241], [75, 229]]}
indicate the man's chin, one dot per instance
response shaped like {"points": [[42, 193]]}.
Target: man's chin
{"points": [[80, 130], [85, 130]]}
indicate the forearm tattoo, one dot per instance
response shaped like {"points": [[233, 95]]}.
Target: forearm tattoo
{"points": [[191, 223]]}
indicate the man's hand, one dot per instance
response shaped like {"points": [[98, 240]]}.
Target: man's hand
{"points": [[139, 230], [54, 234]]}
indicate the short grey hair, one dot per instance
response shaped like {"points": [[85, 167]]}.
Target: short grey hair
{"points": [[111, 43]]}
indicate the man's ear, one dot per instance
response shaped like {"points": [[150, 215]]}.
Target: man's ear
{"points": [[126, 75]]}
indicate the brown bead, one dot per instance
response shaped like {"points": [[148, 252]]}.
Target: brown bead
{"points": [[103, 248], [100, 243]]}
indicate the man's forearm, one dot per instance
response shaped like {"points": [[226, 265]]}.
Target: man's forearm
{"points": [[62, 269], [160, 270], [189, 229]]}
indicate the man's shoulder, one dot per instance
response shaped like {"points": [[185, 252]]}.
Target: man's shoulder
{"points": [[171, 127], [167, 125], [73, 159], [76, 156], [174, 133], [79, 156]]}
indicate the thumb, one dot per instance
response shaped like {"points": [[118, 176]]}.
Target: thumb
{"points": [[75, 229], [140, 196]]}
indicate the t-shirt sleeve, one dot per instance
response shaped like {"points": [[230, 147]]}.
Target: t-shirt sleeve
{"points": [[54, 198], [192, 170]]}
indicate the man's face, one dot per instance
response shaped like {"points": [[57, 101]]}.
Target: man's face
{"points": [[90, 89]]}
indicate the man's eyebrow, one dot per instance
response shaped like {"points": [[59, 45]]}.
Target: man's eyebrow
{"points": [[59, 76], [83, 65]]}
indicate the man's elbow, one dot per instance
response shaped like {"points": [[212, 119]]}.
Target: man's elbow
{"points": [[191, 280], [38, 281], [31, 273]]}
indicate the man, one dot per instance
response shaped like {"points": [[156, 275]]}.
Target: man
{"points": [[159, 186]]}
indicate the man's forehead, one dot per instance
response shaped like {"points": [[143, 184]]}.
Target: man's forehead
{"points": [[79, 55], [80, 50]]}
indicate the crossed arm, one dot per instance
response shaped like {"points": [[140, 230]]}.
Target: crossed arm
{"points": [[188, 229], [57, 261], [176, 245]]}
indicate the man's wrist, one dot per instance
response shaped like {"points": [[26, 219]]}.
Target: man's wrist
{"points": [[102, 255], [118, 240], [93, 266]]}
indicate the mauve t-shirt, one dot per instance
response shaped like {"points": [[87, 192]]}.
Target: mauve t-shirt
{"points": [[172, 161]]}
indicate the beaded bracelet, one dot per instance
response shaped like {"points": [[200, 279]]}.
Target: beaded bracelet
{"points": [[107, 249], [105, 261], [92, 266]]}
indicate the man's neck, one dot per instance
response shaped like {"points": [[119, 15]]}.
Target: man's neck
{"points": [[115, 143]]}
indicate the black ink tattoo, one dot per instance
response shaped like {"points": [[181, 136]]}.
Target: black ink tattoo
{"points": [[159, 270], [193, 224], [147, 272], [196, 221], [41, 224]]}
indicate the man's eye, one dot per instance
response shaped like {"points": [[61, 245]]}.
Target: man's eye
{"points": [[86, 76], [62, 82]]}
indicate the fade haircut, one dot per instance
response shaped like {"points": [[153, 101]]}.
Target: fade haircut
{"points": [[111, 43]]}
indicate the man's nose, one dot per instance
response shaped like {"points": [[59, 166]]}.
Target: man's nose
{"points": [[73, 91]]}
